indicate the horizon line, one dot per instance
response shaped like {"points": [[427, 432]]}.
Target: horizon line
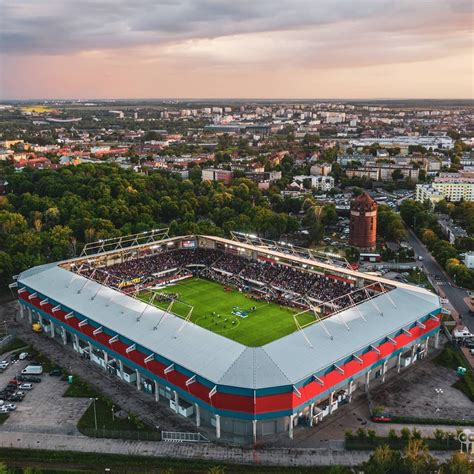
{"points": [[81, 99]]}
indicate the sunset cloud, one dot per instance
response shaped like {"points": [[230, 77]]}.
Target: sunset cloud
{"points": [[304, 42]]}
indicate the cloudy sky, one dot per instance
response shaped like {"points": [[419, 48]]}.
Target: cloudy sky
{"points": [[236, 48]]}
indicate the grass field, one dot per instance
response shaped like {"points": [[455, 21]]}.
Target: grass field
{"points": [[267, 323], [38, 108]]}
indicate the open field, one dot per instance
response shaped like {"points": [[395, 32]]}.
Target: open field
{"points": [[37, 108], [213, 306]]}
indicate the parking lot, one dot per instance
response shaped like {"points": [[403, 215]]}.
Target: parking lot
{"points": [[43, 409], [416, 395]]}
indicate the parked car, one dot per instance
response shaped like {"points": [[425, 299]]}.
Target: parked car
{"points": [[10, 406], [56, 372], [4, 410], [471, 351], [26, 386], [16, 397], [29, 378]]}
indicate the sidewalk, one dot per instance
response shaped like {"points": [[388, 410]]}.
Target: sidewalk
{"points": [[206, 452]]}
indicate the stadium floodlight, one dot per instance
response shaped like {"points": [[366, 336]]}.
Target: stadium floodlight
{"points": [[297, 392], [358, 359], [338, 369], [434, 317], [320, 381], [113, 339], [213, 391], [169, 369], [375, 349], [69, 315], [407, 332], [97, 331], [33, 295], [420, 325], [392, 341], [82, 323], [149, 358], [56, 308], [45, 301], [21, 290], [130, 348], [191, 381], [13, 285]]}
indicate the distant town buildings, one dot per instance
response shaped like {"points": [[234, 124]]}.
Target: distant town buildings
{"points": [[321, 169], [450, 186], [213, 174], [318, 183], [403, 142], [378, 171], [450, 229]]}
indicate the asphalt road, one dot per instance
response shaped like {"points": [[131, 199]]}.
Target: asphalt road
{"points": [[441, 280]]}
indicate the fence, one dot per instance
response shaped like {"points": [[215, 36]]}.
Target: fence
{"points": [[114, 434], [179, 437]]}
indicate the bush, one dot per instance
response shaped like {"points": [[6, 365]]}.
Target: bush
{"points": [[349, 434], [439, 434], [405, 433], [392, 434], [371, 435]]}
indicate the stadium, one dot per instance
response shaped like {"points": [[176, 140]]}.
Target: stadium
{"points": [[245, 336]]}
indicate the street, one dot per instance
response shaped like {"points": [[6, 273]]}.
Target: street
{"points": [[441, 280]]}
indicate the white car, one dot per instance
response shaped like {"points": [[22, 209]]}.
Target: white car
{"points": [[10, 406], [463, 333], [4, 410], [26, 386]]}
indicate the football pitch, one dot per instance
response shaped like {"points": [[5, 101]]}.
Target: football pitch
{"points": [[214, 308]]}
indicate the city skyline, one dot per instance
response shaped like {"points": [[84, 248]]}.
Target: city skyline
{"points": [[211, 49]]}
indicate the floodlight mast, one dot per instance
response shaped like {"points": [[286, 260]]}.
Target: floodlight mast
{"points": [[125, 241]]}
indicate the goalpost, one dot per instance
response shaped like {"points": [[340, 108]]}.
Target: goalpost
{"points": [[169, 309]]}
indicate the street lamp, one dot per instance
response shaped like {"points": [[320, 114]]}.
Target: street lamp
{"points": [[439, 392], [113, 414], [5, 323], [95, 412]]}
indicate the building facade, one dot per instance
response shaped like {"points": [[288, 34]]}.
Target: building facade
{"points": [[363, 222]]}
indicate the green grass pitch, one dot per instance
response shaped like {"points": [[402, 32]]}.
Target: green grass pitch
{"points": [[269, 322]]}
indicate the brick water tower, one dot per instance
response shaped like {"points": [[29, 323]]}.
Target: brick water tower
{"points": [[363, 225]]}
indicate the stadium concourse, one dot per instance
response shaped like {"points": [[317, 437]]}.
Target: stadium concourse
{"points": [[361, 327]]}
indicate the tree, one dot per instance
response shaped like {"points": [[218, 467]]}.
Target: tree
{"points": [[459, 463], [397, 175], [329, 215], [383, 460], [429, 238], [312, 223], [416, 458], [6, 269], [389, 224]]}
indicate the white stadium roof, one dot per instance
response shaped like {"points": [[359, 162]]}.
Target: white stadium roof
{"points": [[285, 361]]}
